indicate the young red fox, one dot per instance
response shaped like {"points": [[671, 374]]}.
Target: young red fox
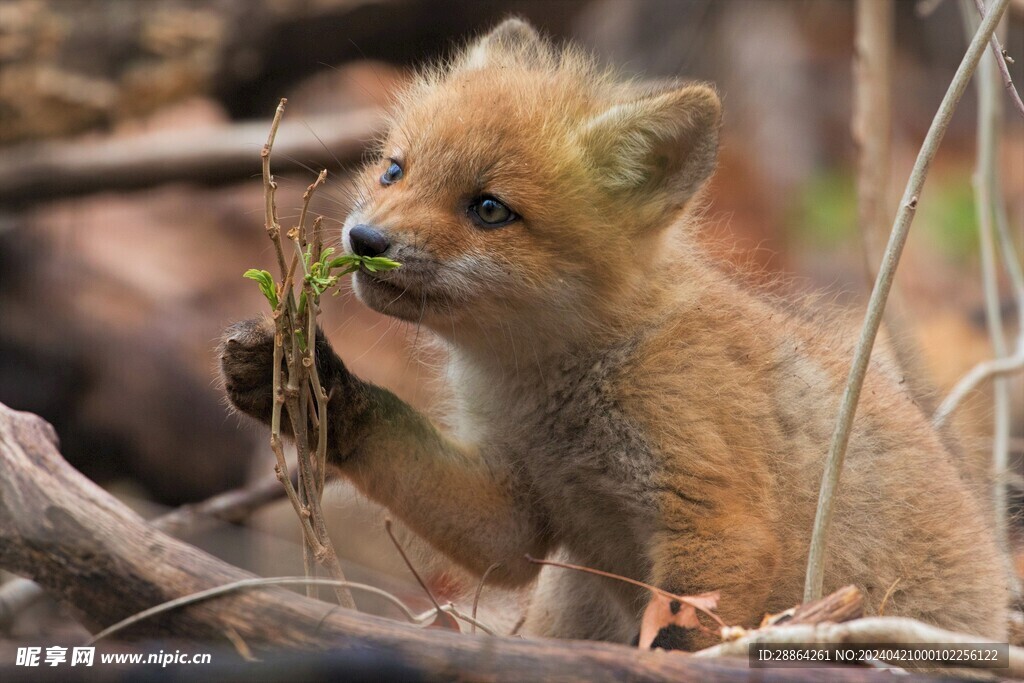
{"points": [[619, 401]]}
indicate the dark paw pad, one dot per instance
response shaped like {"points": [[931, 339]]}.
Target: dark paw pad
{"points": [[247, 358]]}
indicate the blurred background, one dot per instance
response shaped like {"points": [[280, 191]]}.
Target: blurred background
{"points": [[131, 204]]}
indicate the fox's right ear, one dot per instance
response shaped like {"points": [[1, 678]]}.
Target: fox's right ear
{"points": [[661, 140], [511, 39]]}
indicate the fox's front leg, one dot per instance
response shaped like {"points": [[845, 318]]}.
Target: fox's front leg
{"points": [[460, 498]]}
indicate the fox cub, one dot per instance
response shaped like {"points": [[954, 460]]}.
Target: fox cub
{"points": [[619, 401]]}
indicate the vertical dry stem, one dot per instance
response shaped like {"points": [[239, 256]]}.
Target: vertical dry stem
{"points": [[999, 55], [876, 305], [987, 205]]}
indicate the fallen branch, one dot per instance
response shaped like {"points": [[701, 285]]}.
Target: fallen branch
{"points": [[230, 507], [95, 554], [876, 304], [35, 172]]}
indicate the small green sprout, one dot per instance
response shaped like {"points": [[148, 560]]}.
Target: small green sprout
{"points": [[321, 274], [266, 283]]}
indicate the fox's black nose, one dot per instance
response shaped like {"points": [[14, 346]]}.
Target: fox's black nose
{"points": [[368, 241]]}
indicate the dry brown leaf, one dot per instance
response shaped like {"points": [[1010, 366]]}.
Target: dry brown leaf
{"points": [[672, 610]]}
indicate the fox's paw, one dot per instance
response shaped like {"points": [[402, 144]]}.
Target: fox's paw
{"points": [[246, 362]]}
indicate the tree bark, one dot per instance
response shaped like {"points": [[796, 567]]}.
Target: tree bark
{"points": [[94, 553]]}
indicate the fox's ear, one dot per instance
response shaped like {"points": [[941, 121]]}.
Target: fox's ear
{"points": [[664, 139], [512, 38]]}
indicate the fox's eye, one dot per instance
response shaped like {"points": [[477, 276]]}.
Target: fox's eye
{"points": [[491, 213], [393, 174]]}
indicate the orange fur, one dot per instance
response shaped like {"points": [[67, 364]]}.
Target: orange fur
{"points": [[619, 400]]}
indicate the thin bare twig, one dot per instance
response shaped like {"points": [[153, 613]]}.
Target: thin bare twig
{"points": [[298, 408], [480, 589], [982, 372], [405, 558], [307, 196], [306, 370], [277, 445], [440, 610], [471, 620], [876, 304], [314, 372], [618, 577], [1000, 56], [987, 199], [269, 186], [273, 229], [1012, 264], [244, 584]]}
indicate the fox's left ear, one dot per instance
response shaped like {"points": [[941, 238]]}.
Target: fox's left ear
{"points": [[664, 140], [511, 39]]}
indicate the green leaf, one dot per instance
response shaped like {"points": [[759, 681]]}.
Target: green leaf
{"points": [[381, 263], [266, 283], [343, 260], [320, 275]]}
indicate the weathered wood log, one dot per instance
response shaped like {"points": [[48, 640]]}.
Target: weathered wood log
{"points": [[33, 172], [95, 554], [230, 507]]}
